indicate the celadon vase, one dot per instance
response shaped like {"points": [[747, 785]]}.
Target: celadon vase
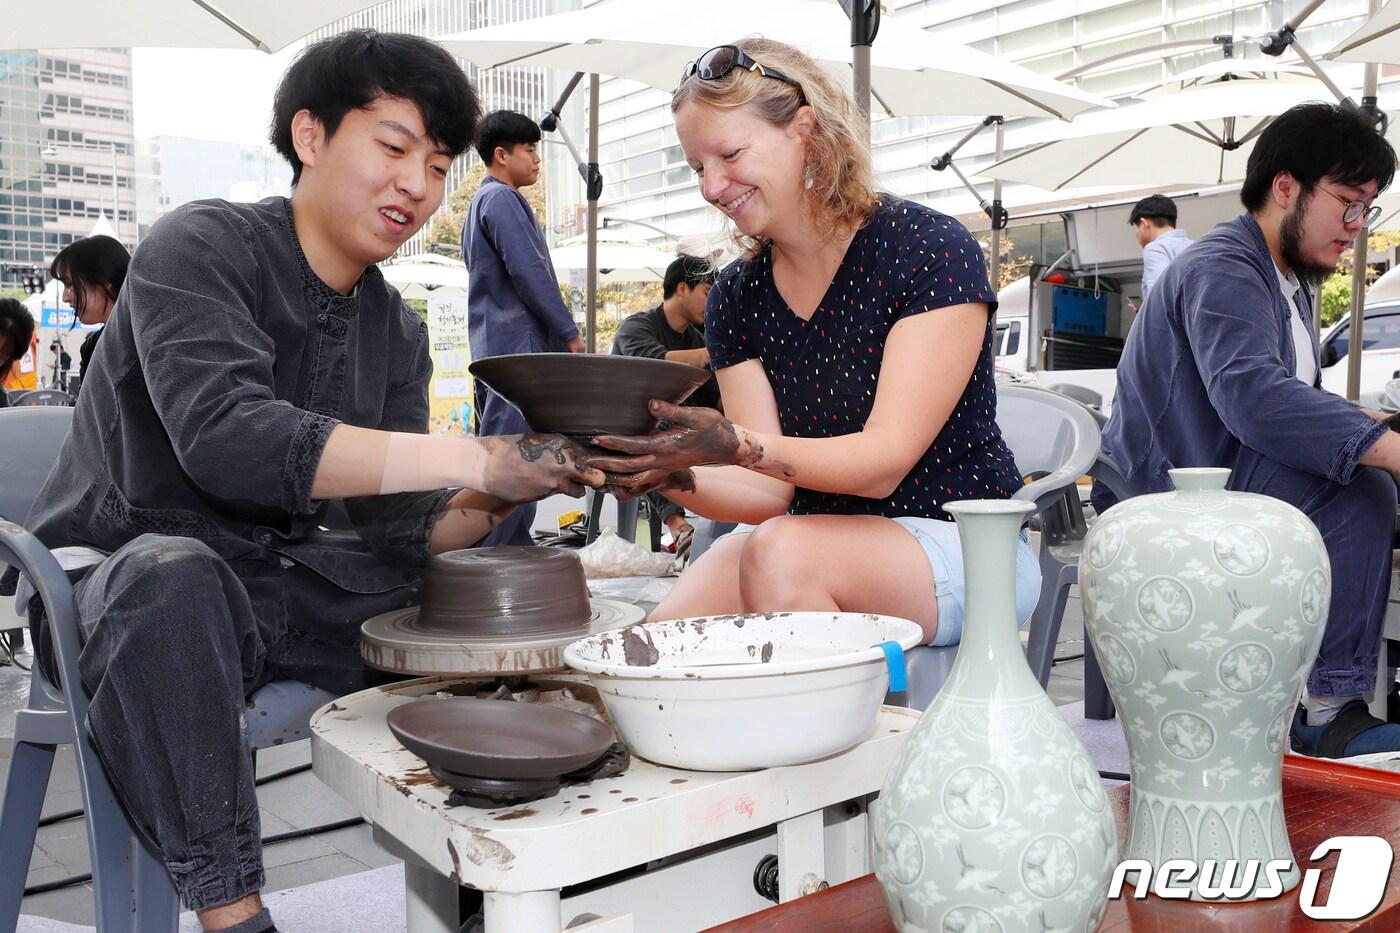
{"points": [[993, 819], [1206, 608]]}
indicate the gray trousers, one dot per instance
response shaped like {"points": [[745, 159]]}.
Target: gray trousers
{"points": [[175, 639]]}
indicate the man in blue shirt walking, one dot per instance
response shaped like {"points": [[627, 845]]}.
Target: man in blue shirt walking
{"points": [[1221, 369], [1153, 220], [513, 299]]}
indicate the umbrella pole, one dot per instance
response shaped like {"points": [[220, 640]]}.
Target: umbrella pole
{"points": [[865, 24], [595, 190], [992, 208], [1359, 250], [998, 215]]}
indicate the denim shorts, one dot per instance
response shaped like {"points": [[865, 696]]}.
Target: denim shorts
{"points": [[940, 542]]}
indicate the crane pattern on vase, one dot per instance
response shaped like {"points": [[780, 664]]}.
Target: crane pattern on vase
{"points": [[1206, 610], [1005, 769]]}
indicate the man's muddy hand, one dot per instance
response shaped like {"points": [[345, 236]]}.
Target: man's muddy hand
{"points": [[524, 468]]}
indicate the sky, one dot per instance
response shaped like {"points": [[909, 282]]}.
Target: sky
{"points": [[217, 94]]}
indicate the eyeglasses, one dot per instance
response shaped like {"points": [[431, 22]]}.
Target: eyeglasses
{"points": [[1356, 210], [722, 59]]}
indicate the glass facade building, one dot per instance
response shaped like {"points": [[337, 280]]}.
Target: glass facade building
{"points": [[67, 152]]}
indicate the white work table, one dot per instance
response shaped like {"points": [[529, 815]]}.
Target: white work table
{"points": [[668, 849]]}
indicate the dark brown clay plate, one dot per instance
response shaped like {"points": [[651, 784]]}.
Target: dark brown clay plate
{"points": [[497, 738], [587, 393]]}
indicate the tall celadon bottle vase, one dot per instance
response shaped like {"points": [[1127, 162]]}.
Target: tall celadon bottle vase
{"points": [[1206, 608], [993, 819]]}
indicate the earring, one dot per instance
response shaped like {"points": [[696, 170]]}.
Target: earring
{"points": [[807, 179]]}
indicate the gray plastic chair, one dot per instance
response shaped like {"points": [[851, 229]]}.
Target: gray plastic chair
{"points": [[39, 398], [1055, 441], [131, 887]]}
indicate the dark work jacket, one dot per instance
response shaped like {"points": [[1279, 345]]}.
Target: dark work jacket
{"points": [[1209, 368], [649, 334], [206, 407]]}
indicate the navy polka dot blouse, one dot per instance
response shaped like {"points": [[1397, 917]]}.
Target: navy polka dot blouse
{"points": [[907, 260]]}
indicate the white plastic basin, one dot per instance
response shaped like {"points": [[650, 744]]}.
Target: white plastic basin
{"points": [[740, 692]]}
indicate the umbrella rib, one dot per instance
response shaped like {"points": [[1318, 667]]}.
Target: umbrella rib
{"points": [[1030, 100], [521, 58], [889, 111], [257, 43], [1206, 137], [1258, 128], [1100, 159], [1371, 38]]}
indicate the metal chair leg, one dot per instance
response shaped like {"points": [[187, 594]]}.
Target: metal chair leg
{"points": [[1098, 704], [31, 764]]}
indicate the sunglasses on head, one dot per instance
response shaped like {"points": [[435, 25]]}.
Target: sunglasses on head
{"points": [[722, 59]]}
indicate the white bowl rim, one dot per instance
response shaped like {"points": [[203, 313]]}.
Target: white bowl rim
{"points": [[909, 635]]}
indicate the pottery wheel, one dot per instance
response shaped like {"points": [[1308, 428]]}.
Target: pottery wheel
{"points": [[393, 642]]}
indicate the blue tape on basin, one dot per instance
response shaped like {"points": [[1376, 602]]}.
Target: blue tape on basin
{"points": [[894, 660]]}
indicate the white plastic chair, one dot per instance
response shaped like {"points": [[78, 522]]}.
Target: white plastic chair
{"points": [[1055, 441]]}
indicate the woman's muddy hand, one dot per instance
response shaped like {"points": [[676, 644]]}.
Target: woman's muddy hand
{"points": [[693, 437], [631, 485]]}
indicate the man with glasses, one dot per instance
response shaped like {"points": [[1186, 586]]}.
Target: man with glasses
{"points": [[1221, 369]]}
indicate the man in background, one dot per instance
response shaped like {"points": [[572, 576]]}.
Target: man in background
{"points": [[673, 330], [513, 299], [1153, 220]]}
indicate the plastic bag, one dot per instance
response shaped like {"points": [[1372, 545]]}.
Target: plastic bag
{"points": [[611, 556]]}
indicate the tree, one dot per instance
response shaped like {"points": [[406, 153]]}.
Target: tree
{"points": [[446, 228], [1335, 293]]}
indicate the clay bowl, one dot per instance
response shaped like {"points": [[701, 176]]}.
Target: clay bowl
{"points": [[583, 394], [499, 739], [521, 591]]}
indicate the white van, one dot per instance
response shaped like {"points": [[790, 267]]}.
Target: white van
{"points": [[1044, 336]]}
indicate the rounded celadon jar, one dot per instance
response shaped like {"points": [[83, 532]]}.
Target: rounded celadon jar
{"points": [[992, 818], [1206, 608]]}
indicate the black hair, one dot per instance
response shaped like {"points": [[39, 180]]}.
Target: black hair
{"points": [[1314, 141], [18, 324], [1155, 207], [92, 260], [692, 270], [348, 71], [504, 128]]}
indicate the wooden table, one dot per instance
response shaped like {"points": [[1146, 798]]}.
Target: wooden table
{"points": [[1321, 799]]}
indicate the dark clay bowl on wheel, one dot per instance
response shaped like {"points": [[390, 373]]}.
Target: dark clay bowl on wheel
{"points": [[498, 738], [582, 394]]}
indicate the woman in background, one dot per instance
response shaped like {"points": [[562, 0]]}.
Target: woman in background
{"points": [[92, 271]]}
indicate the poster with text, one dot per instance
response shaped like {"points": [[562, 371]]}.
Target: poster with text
{"points": [[450, 391]]}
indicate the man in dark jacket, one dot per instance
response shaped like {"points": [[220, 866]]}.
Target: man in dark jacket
{"points": [[674, 330], [255, 367], [1221, 369]]}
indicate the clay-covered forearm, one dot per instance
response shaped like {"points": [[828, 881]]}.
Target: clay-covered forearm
{"points": [[362, 462]]}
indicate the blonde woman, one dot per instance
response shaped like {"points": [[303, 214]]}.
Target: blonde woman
{"points": [[852, 343]]}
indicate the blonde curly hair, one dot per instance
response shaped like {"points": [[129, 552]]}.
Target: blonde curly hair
{"points": [[837, 158]]}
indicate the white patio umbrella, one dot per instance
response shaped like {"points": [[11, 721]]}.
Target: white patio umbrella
{"points": [[911, 71], [1202, 135], [1377, 41], [617, 262], [267, 25], [415, 276], [1225, 70]]}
